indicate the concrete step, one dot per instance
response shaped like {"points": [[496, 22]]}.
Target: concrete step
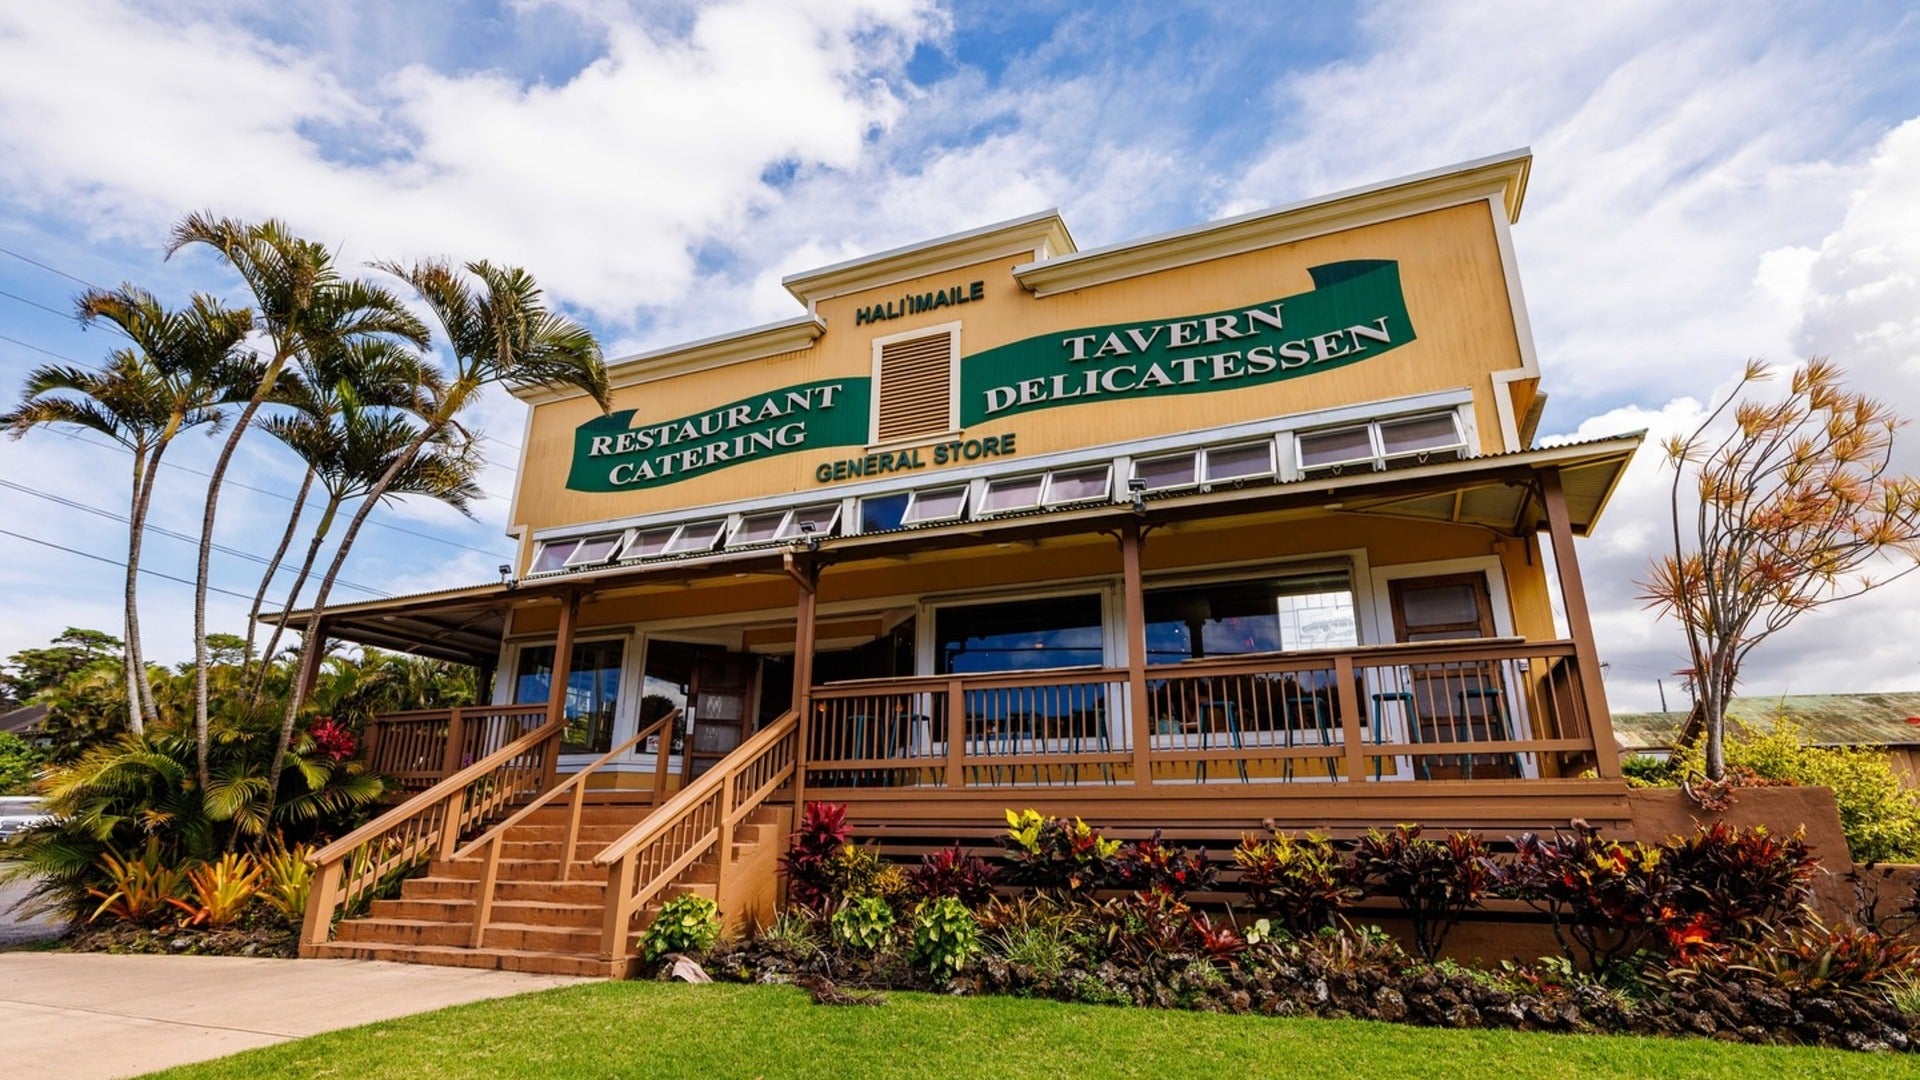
{"points": [[532, 961]]}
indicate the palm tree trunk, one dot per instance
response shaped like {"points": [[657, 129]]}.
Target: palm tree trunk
{"points": [[200, 580], [142, 507], [310, 649], [293, 595], [266, 581], [136, 719]]}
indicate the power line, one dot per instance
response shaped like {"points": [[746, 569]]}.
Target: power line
{"points": [[48, 269], [38, 349], [118, 563], [283, 497], [239, 553], [36, 303]]}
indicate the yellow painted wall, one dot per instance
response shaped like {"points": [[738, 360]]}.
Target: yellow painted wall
{"points": [[1451, 275]]}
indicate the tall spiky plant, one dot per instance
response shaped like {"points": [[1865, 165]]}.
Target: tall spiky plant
{"points": [[177, 371], [303, 304], [499, 330]]}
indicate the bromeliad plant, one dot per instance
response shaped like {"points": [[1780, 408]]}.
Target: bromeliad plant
{"points": [[1052, 853], [139, 889], [1435, 881], [219, 892], [1303, 881]]}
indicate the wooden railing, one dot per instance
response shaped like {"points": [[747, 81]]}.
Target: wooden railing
{"points": [[1472, 710], [700, 817], [419, 749], [428, 825], [493, 839]]}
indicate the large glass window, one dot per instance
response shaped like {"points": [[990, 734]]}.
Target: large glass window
{"points": [[593, 691], [1295, 611], [1019, 635]]}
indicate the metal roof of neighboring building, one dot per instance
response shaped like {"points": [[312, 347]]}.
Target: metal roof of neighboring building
{"points": [[1889, 719]]}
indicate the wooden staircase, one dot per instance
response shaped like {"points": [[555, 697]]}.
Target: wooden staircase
{"points": [[497, 866], [538, 923]]}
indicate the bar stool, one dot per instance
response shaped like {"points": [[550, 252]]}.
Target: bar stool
{"points": [[1407, 709], [1232, 714], [1493, 706], [1298, 704]]}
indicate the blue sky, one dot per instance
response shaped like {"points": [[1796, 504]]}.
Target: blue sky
{"points": [[1711, 182]]}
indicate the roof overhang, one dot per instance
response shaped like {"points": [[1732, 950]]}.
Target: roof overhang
{"points": [[1500, 492]]}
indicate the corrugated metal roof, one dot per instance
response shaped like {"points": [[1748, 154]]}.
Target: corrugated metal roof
{"points": [[1889, 719]]}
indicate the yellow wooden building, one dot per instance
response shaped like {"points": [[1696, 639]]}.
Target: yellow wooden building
{"points": [[1238, 525]]}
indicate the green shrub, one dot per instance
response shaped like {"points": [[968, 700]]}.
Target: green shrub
{"points": [[863, 923], [287, 880], [20, 763], [1880, 817], [139, 889], [1643, 771], [793, 930], [945, 936], [688, 923]]}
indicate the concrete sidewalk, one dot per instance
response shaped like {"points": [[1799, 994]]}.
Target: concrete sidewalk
{"points": [[81, 1016]]}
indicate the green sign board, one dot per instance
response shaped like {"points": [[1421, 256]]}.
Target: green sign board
{"points": [[611, 454], [1355, 311]]}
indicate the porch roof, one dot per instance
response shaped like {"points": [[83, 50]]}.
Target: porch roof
{"points": [[1496, 491]]}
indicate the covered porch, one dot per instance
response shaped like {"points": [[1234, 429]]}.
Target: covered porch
{"points": [[1470, 726]]}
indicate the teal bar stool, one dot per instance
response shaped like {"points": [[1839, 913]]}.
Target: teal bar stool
{"points": [[1300, 705], [1232, 715], [1405, 698]]}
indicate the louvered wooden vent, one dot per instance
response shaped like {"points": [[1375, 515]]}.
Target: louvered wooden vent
{"points": [[916, 388]]}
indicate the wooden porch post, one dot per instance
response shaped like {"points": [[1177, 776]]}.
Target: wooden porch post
{"points": [[1136, 616], [1606, 756], [806, 578], [562, 671]]}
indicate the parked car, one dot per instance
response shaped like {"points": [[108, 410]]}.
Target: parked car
{"points": [[19, 811]]}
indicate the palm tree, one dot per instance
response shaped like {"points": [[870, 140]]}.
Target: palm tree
{"points": [[373, 371], [352, 456], [180, 369], [303, 304], [501, 332]]}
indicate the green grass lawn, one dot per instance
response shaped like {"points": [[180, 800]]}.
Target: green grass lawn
{"points": [[659, 1030]]}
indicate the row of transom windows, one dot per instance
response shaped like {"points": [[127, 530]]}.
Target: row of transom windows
{"points": [[1377, 444]]}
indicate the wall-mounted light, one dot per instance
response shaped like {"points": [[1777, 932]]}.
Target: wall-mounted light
{"points": [[807, 530], [1137, 494], [506, 575]]}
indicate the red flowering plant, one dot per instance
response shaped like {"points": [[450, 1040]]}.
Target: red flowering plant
{"points": [[332, 739], [1154, 864], [808, 863]]}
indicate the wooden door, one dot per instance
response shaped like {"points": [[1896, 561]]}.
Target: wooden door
{"points": [[721, 696], [1462, 702]]}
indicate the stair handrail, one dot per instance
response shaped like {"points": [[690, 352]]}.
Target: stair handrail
{"points": [[699, 817], [494, 837], [431, 821]]}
